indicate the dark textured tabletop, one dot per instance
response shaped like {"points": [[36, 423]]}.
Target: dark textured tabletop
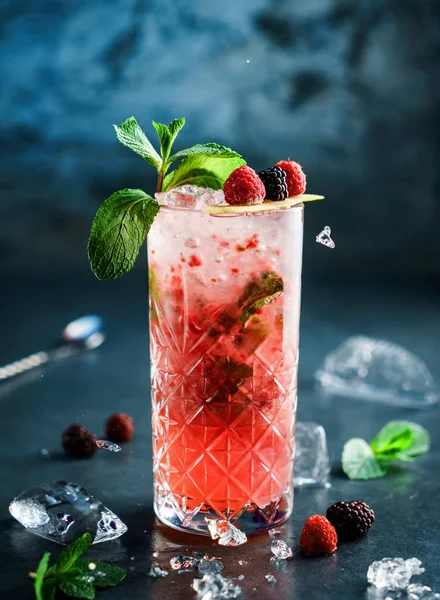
{"points": [[88, 388]]}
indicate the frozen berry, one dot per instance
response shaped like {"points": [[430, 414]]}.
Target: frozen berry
{"points": [[318, 536], [119, 427], [244, 187], [350, 519], [79, 442], [295, 177], [275, 183]]}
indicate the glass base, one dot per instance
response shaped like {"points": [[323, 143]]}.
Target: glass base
{"points": [[251, 519]]}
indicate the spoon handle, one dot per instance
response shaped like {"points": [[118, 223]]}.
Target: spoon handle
{"points": [[23, 365]]}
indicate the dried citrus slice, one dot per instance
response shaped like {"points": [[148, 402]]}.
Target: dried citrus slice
{"points": [[266, 205]]}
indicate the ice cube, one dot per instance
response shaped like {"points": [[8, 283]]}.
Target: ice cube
{"points": [[191, 196], [156, 571], [312, 462], [274, 532], [105, 445], [183, 562], [393, 573], [418, 591], [62, 511], [324, 237], [378, 370], [215, 586], [242, 563], [209, 566], [226, 533], [270, 578], [280, 549]]}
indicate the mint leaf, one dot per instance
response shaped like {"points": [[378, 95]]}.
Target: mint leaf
{"points": [[119, 230], [130, 134], [103, 574], [167, 134], [39, 576], [70, 554], [211, 148], [204, 170], [359, 461], [258, 292], [78, 588], [234, 369], [401, 440], [49, 589]]}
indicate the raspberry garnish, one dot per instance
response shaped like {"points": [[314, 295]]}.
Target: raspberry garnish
{"points": [[119, 427], [318, 536], [79, 442], [295, 177], [275, 183], [244, 187], [350, 519]]}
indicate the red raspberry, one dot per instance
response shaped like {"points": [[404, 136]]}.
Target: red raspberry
{"points": [[119, 427], [243, 186], [79, 442], [295, 177], [318, 536]]}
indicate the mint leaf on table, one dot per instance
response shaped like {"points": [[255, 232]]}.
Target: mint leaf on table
{"points": [[398, 440], [70, 554], [104, 575], [73, 575], [401, 440], [203, 169], [77, 588], [359, 461], [167, 134], [119, 230], [130, 134], [39, 576]]}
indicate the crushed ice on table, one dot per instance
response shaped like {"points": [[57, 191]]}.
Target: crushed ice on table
{"points": [[226, 533], [270, 578], [379, 370], [209, 566], [45, 453], [215, 586], [106, 445], [191, 196], [393, 573], [62, 511], [418, 591], [280, 549], [242, 563], [312, 462], [324, 237], [156, 571], [279, 564], [183, 562], [274, 532]]}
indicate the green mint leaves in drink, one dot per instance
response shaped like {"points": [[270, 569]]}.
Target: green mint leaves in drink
{"points": [[260, 291], [397, 441], [122, 222], [73, 575]]}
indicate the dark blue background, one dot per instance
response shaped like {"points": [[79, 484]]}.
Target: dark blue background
{"points": [[348, 88]]}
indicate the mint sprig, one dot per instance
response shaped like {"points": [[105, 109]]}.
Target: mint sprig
{"points": [[124, 219], [118, 232], [398, 440], [73, 575]]}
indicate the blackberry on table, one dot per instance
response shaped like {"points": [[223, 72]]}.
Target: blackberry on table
{"points": [[350, 519], [79, 442], [275, 183]]}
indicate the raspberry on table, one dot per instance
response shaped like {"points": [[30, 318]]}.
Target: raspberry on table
{"points": [[275, 183], [295, 177], [244, 187], [350, 519], [79, 442], [318, 537], [119, 427]]}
